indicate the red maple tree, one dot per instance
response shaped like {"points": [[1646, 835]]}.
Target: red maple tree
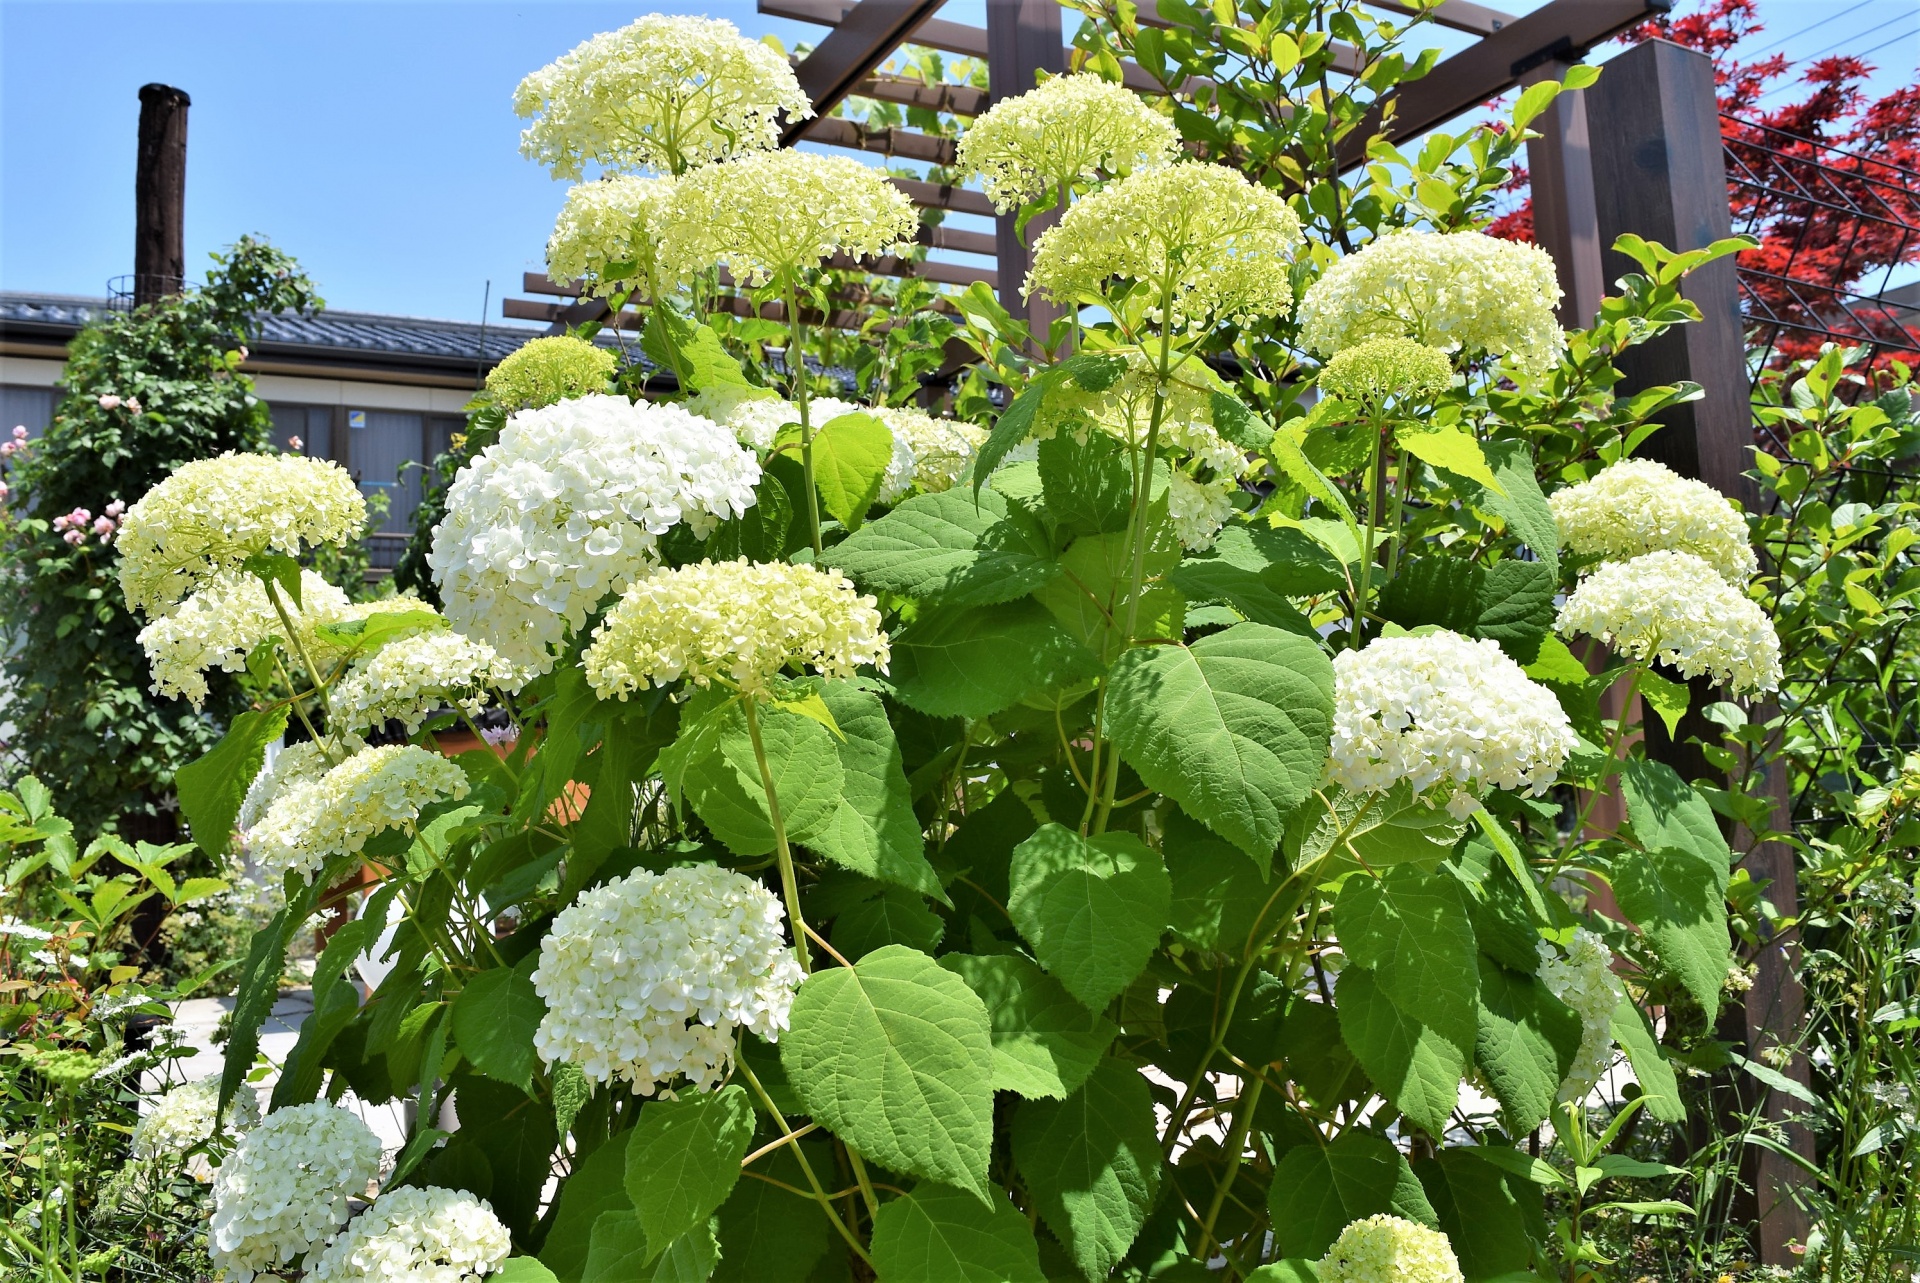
{"points": [[1829, 185]]}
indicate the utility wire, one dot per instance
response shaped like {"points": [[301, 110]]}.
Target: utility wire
{"points": [[1862, 53], [1829, 19]]}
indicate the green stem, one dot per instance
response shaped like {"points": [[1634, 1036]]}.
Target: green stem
{"points": [[789, 882], [1399, 510], [819, 1190], [866, 1182], [797, 377], [1236, 1143], [1374, 430]]}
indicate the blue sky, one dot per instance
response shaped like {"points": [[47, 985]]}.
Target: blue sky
{"points": [[376, 141]]}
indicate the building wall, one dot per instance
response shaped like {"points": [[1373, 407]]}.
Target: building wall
{"points": [[385, 434]]}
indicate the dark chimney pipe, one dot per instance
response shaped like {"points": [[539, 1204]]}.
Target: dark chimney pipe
{"points": [[160, 195]]}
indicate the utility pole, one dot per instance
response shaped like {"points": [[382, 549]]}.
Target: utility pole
{"points": [[160, 195]]}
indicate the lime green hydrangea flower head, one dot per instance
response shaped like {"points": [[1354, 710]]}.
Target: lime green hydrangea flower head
{"points": [[770, 214], [666, 92], [213, 514], [1068, 129], [740, 621], [1213, 245], [548, 370], [1457, 291], [1385, 369], [1387, 1249], [1638, 506], [608, 234]]}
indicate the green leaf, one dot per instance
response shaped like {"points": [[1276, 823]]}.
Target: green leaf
{"points": [[1438, 590], [1414, 1066], [1087, 484], [212, 788], [1287, 451], [517, 1138], [276, 569], [1217, 898], [1523, 507], [1450, 447], [1503, 926], [1668, 699], [1295, 1269], [1238, 424], [1044, 1042], [895, 1056], [1478, 1213], [1557, 665], [1213, 579], [1092, 1163], [939, 1235], [1092, 908], [364, 636], [873, 830], [259, 984], [972, 663], [762, 531], [1667, 812], [1411, 930], [1515, 607], [1650, 1068], [691, 350], [598, 1184], [1526, 1043], [850, 457], [767, 1234], [1674, 897], [1371, 830], [1318, 1192], [617, 1250], [684, 1158], [895, 916], [1091, 596], [712, 764], [1234, 728], [951, 547], [524, 1269], [494, 1020]]}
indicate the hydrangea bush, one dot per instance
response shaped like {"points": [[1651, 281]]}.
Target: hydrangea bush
{"points": [[1144, 834]]}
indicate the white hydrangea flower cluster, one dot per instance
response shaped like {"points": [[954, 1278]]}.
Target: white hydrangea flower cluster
{"points": [[211, 515], [616, 220], [1198, 509], [740, 621], [376, 789], [1125, 411], [773, 213], [1445, 714], [1675, 608], [647, 977], [1068, 129], [1218, 245], [939, 452], [407, 679], [1387, 1249], [1584, 980], [1639, 506], [660, 93], [567, 507], [284, 1189], [544, 370], [416, 1235], [221, 624], [1386, 368], [1456, 291], [295, 764], [184, 1117]]}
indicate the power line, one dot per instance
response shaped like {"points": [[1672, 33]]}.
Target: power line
{"points": [[1804, 30], [1861, 53]]}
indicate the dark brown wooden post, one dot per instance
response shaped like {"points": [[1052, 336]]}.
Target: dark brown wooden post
{"points": [[1560, 165], [1023, 38], [160, 194], [1658, 171]]}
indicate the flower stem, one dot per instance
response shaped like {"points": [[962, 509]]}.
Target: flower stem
{"points": [[797, 376], [819, 1190], [789, 883]]}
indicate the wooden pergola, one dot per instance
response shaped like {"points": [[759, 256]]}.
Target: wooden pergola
{"points": [[1639, 152]]}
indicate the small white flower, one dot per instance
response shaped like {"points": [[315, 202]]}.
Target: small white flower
{"points": [[1677, 609], [184, 1117], [1639, 506], [284, 1189], [1584, 980], [1446, 715], [1387, 1249], [647, 977], [1068, 129], [407, 679], [1198, 509], [416, 1234], [374, 790]]}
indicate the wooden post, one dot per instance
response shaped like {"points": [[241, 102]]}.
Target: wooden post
{"points": [[160, 194], [1565, 223], [1658, 171], [1023, 38]]}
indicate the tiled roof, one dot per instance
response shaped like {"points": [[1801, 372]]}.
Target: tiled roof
{"points": [[412, 339]]}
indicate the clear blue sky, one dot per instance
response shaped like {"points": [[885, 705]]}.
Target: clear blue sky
{"points": [[376, 141]]}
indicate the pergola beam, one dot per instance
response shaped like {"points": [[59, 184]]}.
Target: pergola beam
{"points": [[865, 36]]}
